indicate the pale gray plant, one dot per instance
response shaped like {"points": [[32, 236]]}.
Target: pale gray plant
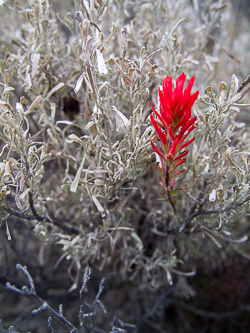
{"points": [[76, 158]]}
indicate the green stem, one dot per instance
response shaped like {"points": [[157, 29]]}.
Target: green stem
{"points": [[168, 191]]}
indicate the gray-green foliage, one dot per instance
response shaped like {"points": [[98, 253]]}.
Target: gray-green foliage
{"points": [[90, 169], [226, 164]]}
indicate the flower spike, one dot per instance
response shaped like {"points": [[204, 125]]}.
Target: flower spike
{"points": [[173, 124]]}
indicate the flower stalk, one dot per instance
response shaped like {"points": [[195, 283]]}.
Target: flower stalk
{"points": [[173, 124]]}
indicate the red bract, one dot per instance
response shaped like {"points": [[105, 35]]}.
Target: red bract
{"points": [[175, 105], [173, 126]]}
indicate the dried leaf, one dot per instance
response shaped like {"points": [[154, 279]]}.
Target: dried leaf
{"points": [[234, 85], [75, 182], [84, 25], [122, 122], [98, 205], [228, 131], [241, 240], [212, 196], [79, 83], [35, 61], [169, 277], [37, 100], [53, 90], [23, 194], [7, 231], [209, 92], [89, 124], [222, 93], [102, 69]]}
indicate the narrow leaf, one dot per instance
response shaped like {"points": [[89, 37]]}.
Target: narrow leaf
{"points": [[53, 90], [98, 205], [75, 182]]}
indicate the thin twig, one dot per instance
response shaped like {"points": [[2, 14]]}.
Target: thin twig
{"points": [[168, 191], [36, 216], [192, 216], [244, 84], [201, 211], [32, 207], [210, 314], [32, 293]]}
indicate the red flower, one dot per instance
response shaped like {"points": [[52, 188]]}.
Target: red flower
{"points": [[173, 126], [175, 105], [161, 135]]}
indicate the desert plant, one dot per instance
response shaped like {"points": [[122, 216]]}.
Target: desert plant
{"points": [[82, 148]]}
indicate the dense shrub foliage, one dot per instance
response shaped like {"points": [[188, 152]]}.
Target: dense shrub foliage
{"points": [[98, 107]]}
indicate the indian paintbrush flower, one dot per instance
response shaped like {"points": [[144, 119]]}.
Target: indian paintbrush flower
{"points": [[173, 125]]}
